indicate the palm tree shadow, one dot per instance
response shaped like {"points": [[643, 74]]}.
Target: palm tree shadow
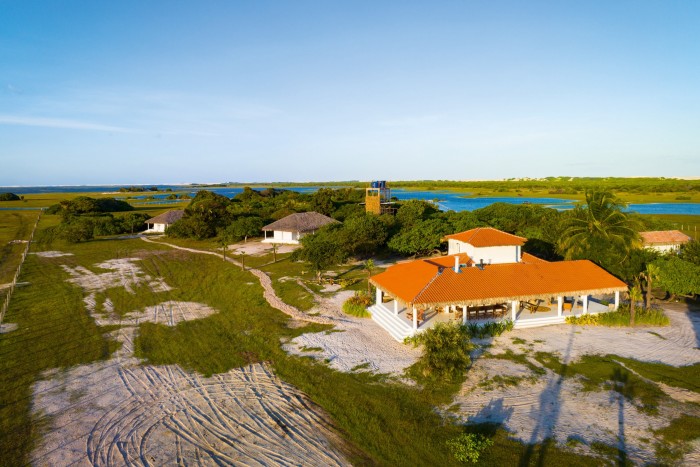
{"points": [[623, 389], [548, 413]]}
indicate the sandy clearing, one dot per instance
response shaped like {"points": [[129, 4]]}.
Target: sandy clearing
{"points": [[551, 406], [123, 272], [120, 413], [678, 344], [362, 343], [556, 407], [258, 248], [51, 254]]}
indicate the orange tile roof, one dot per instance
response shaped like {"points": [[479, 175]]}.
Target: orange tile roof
{"points": [[528, 258], [664, 236], [487, 236], [424, 283]]}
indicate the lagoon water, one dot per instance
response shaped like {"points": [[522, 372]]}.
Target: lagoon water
{"points": [[447, 200]]}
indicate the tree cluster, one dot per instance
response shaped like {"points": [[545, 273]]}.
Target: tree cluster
{"points": [[85, 218], [9, 197]]}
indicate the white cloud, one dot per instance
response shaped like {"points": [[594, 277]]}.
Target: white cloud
{"points": [[60, 123]]}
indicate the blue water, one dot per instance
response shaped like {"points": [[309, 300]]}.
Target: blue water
{"points": [[450, 200], [446, 200]]}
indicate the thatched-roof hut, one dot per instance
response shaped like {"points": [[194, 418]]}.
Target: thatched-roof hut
{"points": [[161, 222], [292, 228]]}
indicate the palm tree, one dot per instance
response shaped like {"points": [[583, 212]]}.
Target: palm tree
{"points": [[368, 266], [650, 274], [598, 228], [635, 295]]}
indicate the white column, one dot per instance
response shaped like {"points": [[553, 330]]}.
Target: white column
{"points": [[584, 299], [464, 314], [379, 296], [617, 299], [396, 306], [560, 305], [513, 310], [415, 320]]}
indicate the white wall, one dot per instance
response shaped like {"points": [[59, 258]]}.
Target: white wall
{"points": [[664, 248], [279, 236], [490, 254], [158, 227]]}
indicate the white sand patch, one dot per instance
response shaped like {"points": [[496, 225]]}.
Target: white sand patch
{"points": [[119, 413], [51, 254], [678, 344], [555, 407], [552, 406], [7, 327], [123, 272], [362, 343], [258, 248]]}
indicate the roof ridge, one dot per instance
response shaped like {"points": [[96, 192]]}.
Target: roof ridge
{"points": [[437, 274]]}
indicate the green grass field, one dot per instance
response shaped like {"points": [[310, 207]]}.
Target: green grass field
{"points": [[384, 422]]}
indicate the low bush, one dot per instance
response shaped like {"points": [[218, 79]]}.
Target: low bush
{"points": [[467, 447], [357, 305], [446, 348], [621, 318], [9, 197], [491, 329]]}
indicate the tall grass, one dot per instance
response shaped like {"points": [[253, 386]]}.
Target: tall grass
{"points": [[357, 305], [621, 318]]}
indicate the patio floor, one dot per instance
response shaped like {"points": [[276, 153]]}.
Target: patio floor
{"points": [[432, 317]]}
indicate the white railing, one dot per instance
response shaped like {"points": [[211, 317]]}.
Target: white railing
{"points": [[13, 284]]}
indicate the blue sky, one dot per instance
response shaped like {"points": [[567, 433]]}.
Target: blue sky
{"points": [[173, 91]]}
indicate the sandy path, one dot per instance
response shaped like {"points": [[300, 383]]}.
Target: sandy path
{"points": [[265, 282]]}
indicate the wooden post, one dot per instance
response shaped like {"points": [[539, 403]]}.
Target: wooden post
{"points": [[617, 299], [396, 306], [415, 320], [584, 300], [379, 296], [513, 310], [560, 306], [464, 314]]}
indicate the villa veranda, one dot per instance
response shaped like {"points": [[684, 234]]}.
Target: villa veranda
{"points": [[401, 321]]}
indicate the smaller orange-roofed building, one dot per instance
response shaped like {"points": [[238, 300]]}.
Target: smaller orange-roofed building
{"points": [[486, 277], [664, 241]]}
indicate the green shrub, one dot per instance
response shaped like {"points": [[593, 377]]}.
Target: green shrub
{"points": [[357, 305], [467, 447], [621, 318], [446, 348], [491, 329], [9, 197]]}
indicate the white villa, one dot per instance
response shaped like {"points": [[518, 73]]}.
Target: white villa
{"points": [[161, 222], [664, 241], [487, 277], [292, 228]]}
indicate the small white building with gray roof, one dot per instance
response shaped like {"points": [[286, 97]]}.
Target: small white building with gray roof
{"points": [[291, 229], [161, 222]]}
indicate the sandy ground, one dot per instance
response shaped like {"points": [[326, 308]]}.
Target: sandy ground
{"points": [[120, 412], [258, 248], [51, 254], [361, 344], [539, 407], [160, 415]]}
